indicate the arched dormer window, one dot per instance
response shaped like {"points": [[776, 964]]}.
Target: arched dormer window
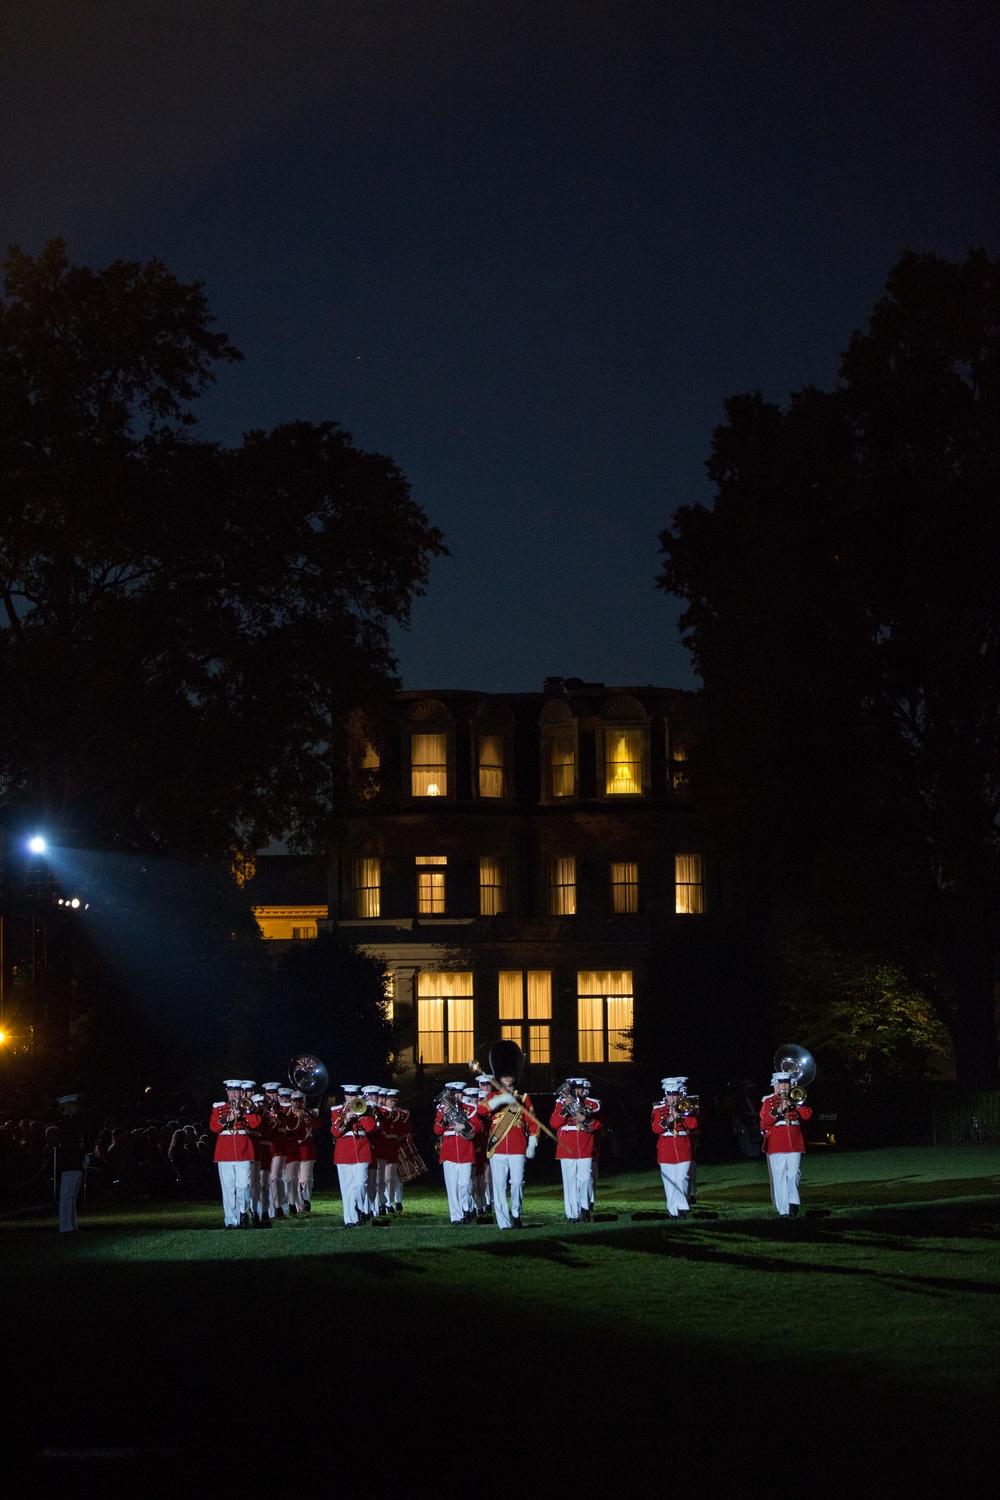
{"points": [[625, 736], [559, 750], [429, 749], [493, 733]]}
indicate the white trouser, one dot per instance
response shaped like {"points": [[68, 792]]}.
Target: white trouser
{"points": [[69, 1191], [307, 1170], [277, 1193], [293, 1198], [397, 1186], [481, 1195], [578, 1187], [507, 1167], [353, 1179], [784, 1169], [257, 1188], [458, 1185], [387, 1188], [675, 1185], [234, 1179]]}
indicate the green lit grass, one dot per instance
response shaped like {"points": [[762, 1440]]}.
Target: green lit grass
{"points": [[874, 1316]]}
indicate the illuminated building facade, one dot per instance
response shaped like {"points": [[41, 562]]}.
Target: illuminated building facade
{"points": [[512, 858]]}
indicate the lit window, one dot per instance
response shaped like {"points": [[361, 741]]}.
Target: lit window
{"points": [[445, 1025], [492, 886], [367, 887], [430, 884], [527, 997], [491, 765], [689, 886], [562, 764], [604, 1015], [624, 888], [429, 765], [390, 995], [562, 887], [623, 762], [309, 931]]}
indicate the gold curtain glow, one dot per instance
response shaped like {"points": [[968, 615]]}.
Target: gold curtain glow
{"points": [[562, 887], [429, 765], [623, 762], [367, 887], [445, 1008], [492, 887], [491, 765], [562, 764], [604, 1009], [624, 888], [689, 888]]}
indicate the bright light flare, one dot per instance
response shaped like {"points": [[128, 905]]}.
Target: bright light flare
{"points": [[37, 844]]}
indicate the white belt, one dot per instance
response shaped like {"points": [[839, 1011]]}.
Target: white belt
{"points": [[570, 1127], [237, 1132]]}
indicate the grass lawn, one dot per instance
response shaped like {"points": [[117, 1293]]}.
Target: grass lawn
{"points": [[850, 1352]]}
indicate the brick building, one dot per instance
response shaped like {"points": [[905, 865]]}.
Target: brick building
{"points": [[513, 858]]}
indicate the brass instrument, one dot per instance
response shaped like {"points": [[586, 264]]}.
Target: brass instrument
{"points": [[519, 1101], [575, 1109], [791, 1058], [307, 1074], [454, 1115], [685, 1104]]}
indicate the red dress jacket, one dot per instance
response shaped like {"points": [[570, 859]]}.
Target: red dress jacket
{"points": [[576, 1141], [307, 1136], [674, 1141], [455, 1147], [515, 1141], [352, 1137], [232, 1145], [388, 1137], [782, 1134]]}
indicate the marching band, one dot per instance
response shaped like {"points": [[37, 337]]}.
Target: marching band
{"points": [[486, 1132]]}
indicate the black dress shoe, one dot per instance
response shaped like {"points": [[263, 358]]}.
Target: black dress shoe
{"points": [[307, 1208], [517, 1223], [793, 1210], [585, 1215]]}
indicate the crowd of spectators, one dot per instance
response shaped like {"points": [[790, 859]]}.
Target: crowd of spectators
{"points": [[129, 1159]]}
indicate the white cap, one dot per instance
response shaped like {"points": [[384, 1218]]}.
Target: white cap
{"points": [[232, 1083], [271, 1088], [484, 1078], [257, 1098], [248, 1083], [371, 1089], [350, 1088], [781, 1077], [671, 1085], [459, 1087], [467, 1092], [583, 1083], [297, 1095], [284, 1093], [393, 1093]]}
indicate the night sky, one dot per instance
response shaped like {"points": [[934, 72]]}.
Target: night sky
{"points": [[525, 248]]}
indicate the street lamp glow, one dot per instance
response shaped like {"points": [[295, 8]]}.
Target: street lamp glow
{"points": [[37, 845]]}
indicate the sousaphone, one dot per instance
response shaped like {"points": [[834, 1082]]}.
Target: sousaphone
{"points": [[791, 1058], [307, 1074]]}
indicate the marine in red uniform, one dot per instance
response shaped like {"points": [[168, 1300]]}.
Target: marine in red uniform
{"points": [[575, 1121], [457, 1129], [232, 1121], [351, 1127], [513, 1139], [673, 1127], [781, 1121]]}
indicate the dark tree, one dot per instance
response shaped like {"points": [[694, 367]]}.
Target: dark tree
{"points": [[326, 998], [843, 607], [182, 625]]}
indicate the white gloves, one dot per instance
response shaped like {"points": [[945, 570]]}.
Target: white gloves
{"points": [[499, 1100], [532, 1147]]}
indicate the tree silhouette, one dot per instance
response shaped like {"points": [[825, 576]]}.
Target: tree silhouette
{"points": [[843, 606]]}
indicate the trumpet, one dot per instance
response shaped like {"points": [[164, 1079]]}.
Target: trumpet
{"points": [[573, 1108]]}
